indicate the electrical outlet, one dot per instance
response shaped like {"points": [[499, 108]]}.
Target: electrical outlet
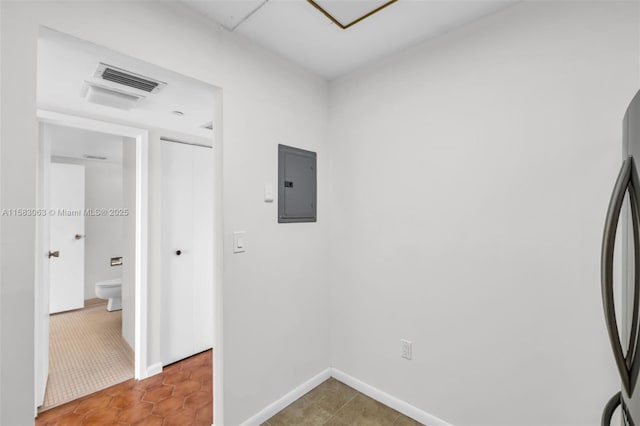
{"points": [[405, 349]]}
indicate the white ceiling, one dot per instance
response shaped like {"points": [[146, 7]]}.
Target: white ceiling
{"points": [[298, 31], [65, 63]]}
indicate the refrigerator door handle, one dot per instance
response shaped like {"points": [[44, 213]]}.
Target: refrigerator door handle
{"points": [[627, 181], [632, 349], [613, 403], [610, 408]]}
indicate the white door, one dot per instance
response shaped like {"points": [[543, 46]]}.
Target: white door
{"points": [[203, 247], [66, 270], [187, 250]]}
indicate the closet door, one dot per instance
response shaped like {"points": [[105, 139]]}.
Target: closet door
{"points": [[203, 247], [187, 244]]}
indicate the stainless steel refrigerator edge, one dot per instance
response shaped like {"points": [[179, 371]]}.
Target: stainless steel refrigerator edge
{"points": [[624, 208]]}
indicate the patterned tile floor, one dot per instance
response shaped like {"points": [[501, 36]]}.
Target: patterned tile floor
{"points": [[86, 353], [333, 403], [182, 395]]}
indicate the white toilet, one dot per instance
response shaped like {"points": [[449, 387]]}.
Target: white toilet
{"points": [[112, 290]]}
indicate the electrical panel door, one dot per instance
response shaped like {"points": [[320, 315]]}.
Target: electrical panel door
{"points": [[297, 185]]}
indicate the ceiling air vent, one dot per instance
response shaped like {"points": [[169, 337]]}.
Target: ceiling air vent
{"points": [[128, 78]]}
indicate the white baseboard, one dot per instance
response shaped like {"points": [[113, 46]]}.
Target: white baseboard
{"points": [[274, 408], [389, 400], [154, 369]]}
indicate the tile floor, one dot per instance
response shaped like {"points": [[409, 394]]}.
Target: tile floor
{"points": [[333, 403], [86, 353], [181, 396]]}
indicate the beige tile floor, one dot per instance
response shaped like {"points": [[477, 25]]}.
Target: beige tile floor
{"points": [[86, 353], [333, 403]]}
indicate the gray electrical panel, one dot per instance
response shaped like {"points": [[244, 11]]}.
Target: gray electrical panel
{"points": [[296, 185]]}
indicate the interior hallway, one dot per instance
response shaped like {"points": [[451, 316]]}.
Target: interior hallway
{"points": [[463, 184]]}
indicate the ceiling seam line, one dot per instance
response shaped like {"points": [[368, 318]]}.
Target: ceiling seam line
{"points": [[249, 15], [350, 24], [327, 14], [369, 14]]}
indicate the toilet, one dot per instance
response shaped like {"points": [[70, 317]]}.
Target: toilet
{"points": [[111, 290]]}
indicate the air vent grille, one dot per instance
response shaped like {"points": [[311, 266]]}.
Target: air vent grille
{"points": [[120, 77], [128, 78]]}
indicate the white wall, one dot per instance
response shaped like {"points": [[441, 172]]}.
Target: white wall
{"points": [[275, 296], [129, 242], [18, 145], [103, 187], [2, 245], [470, 178]]}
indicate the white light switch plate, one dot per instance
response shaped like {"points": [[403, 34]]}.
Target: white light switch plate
{"points": [[239, 242], [406, 349], [268, 193]]}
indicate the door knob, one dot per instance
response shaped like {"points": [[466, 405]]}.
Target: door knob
{"points": [[54, 254], [178, 252], [78, 236]]}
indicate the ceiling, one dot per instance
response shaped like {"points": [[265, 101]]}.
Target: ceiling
{"points": [[65, 63], [300, 32]]}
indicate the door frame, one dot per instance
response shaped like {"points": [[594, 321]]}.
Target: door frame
{"points": [[141, 219]]}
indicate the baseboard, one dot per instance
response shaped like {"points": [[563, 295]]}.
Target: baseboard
{"points": [[154, 369], [389, 400], [274, 408]]}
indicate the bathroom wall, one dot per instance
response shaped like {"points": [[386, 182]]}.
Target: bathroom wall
{"points": [[104, 235]]}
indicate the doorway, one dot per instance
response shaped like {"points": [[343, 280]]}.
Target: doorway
{"points": [[90, 332], [168, 108], [90, 196]]}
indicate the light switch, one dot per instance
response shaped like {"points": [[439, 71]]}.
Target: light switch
{"points": [[268, 193], [239, 243]]}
